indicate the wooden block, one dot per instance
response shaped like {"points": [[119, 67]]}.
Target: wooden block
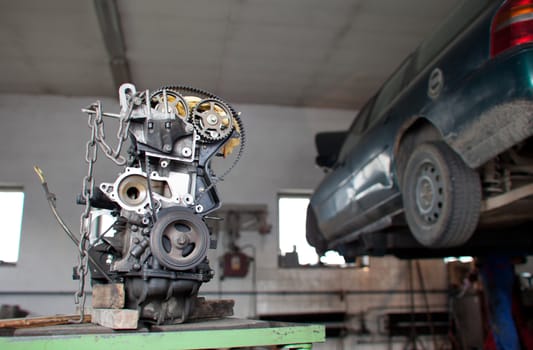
{"points": [[116, 318], [108, 296]]}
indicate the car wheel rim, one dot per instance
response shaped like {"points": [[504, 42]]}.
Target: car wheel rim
{"points": [[429, 193]]}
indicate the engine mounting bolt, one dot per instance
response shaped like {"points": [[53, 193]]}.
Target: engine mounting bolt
{"points": [[136, 266], [189, 128], [136, 240], [146, 230], [167, 148], [134, 228]]}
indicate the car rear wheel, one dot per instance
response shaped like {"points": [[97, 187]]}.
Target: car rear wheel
{"points": [[441, 196]]}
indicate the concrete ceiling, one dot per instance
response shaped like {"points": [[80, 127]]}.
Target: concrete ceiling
{"points": [[315, 53]]}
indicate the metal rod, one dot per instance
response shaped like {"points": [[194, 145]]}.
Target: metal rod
{"points": [[148, 107], [105, 114], [165, 100]]}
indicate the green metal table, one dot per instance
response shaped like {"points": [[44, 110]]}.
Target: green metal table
{"points": [[214, 334]]}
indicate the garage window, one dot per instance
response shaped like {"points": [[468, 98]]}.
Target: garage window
{"points": [[292, 212], [11, 207]]}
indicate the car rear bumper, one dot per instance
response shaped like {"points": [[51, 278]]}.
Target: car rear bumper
{"points": [[495, 131], [491, 111]]}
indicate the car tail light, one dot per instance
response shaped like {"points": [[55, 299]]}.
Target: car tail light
{"points": [[512, 26]]}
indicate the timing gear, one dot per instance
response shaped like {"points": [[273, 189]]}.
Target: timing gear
{"points": [[212, 120], [175, 103], [193, 96]]}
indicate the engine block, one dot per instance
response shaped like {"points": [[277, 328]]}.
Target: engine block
{"points": [[157, 246]]}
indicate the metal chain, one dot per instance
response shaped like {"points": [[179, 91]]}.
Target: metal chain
{"points": [[97, 138], [122, 133], [91, 154]]}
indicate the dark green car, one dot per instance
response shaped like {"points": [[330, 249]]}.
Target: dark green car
{"points": [[444, 150]]}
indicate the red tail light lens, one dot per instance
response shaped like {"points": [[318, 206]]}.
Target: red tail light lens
{"points": [[512, 26]]}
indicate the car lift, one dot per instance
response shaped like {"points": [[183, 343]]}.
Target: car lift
{"points": [[212, 334]]}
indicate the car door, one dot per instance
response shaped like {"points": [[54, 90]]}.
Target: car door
{"points": [[334, 199], [375, 193], [373, 184]]}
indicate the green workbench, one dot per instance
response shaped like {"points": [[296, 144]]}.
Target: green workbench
{"points": [[213, 334]]}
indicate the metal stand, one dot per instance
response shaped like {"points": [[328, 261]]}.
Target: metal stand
{"points": [[215, 334]]}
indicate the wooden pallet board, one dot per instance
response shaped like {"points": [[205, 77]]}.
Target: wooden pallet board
{"points": [[42, 321]]}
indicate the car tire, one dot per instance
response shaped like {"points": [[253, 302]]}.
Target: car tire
{"points": [[441, 196]]}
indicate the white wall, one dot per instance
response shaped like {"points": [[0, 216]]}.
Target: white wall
{"points": [[51, 132]]}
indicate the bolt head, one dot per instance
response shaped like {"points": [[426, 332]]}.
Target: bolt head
{"points": [[182, 241], [212, 119], [186, 151]]}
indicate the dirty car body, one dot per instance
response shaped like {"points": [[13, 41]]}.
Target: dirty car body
{"points": [[444, 151]]}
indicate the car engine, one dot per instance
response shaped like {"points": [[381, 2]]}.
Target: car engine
{"points": [[157, 244]]}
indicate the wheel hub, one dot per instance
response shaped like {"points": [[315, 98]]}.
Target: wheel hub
{"points": [[429, 193], [425, 194]]}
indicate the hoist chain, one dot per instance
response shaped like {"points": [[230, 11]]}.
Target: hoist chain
{"points": [[97, 138]]}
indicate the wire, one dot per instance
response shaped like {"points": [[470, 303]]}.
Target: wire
{"points": [[254, 276], [51, 198]]}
